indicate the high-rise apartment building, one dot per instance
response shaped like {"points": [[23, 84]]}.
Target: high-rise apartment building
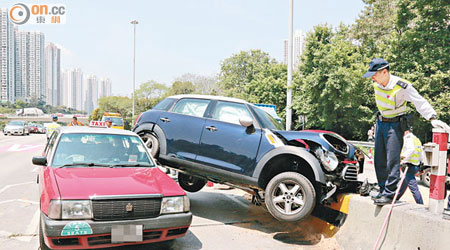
{"points": [[104, 87], [30, 65], [7, 49], [53, 92], [91, 100], [298, 47], [74, 85]]}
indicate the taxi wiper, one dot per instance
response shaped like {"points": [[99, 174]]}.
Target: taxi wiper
{"points": [[90, 164], [130, 165]]}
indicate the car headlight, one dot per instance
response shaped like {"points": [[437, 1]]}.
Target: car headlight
{"points": [[177, 204], [328, 159], [70, 209]]}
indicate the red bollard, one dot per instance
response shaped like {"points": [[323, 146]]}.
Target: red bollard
{"points": [[438, 163]]}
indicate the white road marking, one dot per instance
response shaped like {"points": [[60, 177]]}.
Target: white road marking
{"points": [[13, 185], [20, 200], [238, 201], [19, 147]]}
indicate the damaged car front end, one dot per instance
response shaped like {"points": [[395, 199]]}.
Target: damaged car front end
{"points": [[340, 161]]}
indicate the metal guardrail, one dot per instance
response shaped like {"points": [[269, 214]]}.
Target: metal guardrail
{"points": [[363, 144]]}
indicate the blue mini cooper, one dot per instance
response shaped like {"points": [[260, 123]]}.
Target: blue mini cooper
{"points": [[230, 141]]}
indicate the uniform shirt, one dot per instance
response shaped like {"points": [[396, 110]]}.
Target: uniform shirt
{"points": [[410, 94], [52, 127], [408, 149]]}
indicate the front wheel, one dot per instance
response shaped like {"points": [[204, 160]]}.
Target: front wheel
{"points": [[190, 183], [290, 196]]}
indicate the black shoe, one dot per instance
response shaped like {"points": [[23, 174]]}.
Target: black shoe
{"points": [[376, 196], [383, 201]]}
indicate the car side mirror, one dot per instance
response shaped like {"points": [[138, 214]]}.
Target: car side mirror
{"points": [[246, 122], [40, 160]]}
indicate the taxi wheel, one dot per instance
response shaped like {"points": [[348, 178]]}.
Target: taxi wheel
{"points": [[152, 143], [425, 177], [290, 196], [190, 183], [42, 244]]}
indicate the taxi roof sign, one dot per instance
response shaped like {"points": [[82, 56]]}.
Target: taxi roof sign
{"points": [[99, 124], [111, 114]]}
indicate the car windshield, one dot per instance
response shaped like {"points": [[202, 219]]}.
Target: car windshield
{"points": [[267, 121], [95, 150], [116, 121], [16, 123]]}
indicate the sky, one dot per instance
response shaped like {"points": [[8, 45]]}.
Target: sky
{"points": [[175, 37]]}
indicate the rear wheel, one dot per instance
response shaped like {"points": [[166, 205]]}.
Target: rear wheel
{"points": [[152, 143], [290, 196], [190, 183]]}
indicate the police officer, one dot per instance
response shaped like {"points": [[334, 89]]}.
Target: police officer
{"points": [[412, 155], [391, 95], [53, 126]]}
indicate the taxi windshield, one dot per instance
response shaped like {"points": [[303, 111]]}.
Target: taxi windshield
{"points": [[106, 150], [116, 121]]}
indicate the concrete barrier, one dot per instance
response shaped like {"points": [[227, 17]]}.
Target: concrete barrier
{"points": [[411, 226]]}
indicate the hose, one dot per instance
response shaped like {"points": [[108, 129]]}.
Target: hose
{"points": [[388, 216]]}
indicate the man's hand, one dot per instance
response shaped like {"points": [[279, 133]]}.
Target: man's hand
{"points": [[440, 124]]}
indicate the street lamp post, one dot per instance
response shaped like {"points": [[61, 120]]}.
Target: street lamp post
{"points": [[134, 22], [289, 69]]}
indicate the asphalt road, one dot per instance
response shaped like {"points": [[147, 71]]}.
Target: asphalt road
{"points": [[223, 218]]}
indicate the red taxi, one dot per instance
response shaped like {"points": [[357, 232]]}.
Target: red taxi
{"points": [[99, 188]]}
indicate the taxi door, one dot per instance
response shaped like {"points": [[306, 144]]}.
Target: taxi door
{"points": [[225, 143], [183, 127]]}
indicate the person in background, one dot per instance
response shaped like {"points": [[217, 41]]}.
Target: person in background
{"points": [[75, 122], [108, 122], [411, 156], [370, 134]]}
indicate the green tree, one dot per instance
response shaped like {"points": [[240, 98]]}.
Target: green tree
{"points": [[256, 77], [180, 88], [330, 89]]}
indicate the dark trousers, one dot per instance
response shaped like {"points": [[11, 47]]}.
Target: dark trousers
{"points": [[410, 181], [388, 146]]}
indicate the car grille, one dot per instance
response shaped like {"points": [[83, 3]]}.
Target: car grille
{"points": [[350, 173], [117, 209]]}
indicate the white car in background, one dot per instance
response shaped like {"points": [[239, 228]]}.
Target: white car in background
{"points": [[16, 127]]}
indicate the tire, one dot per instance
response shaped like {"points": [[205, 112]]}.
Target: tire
{"points": [[152, 143], [425, 177], [41, 238], [190, 183], [290, 196]]}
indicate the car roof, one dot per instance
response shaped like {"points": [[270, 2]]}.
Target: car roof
{"points": [[209, 97], [94, 130]]}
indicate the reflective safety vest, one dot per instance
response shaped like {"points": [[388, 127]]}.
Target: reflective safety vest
{"points": [[51, 128], [415, 157], [385, 100]]}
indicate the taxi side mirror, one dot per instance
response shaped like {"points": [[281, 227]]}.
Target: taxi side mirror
{"points": [[40, 160], [246, 122]]}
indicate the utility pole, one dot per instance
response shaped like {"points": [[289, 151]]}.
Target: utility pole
{"points": [[289, 70], [134, 22]]}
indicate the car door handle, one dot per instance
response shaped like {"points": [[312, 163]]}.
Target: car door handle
{"points": [[165, 119], [211, 128]]}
